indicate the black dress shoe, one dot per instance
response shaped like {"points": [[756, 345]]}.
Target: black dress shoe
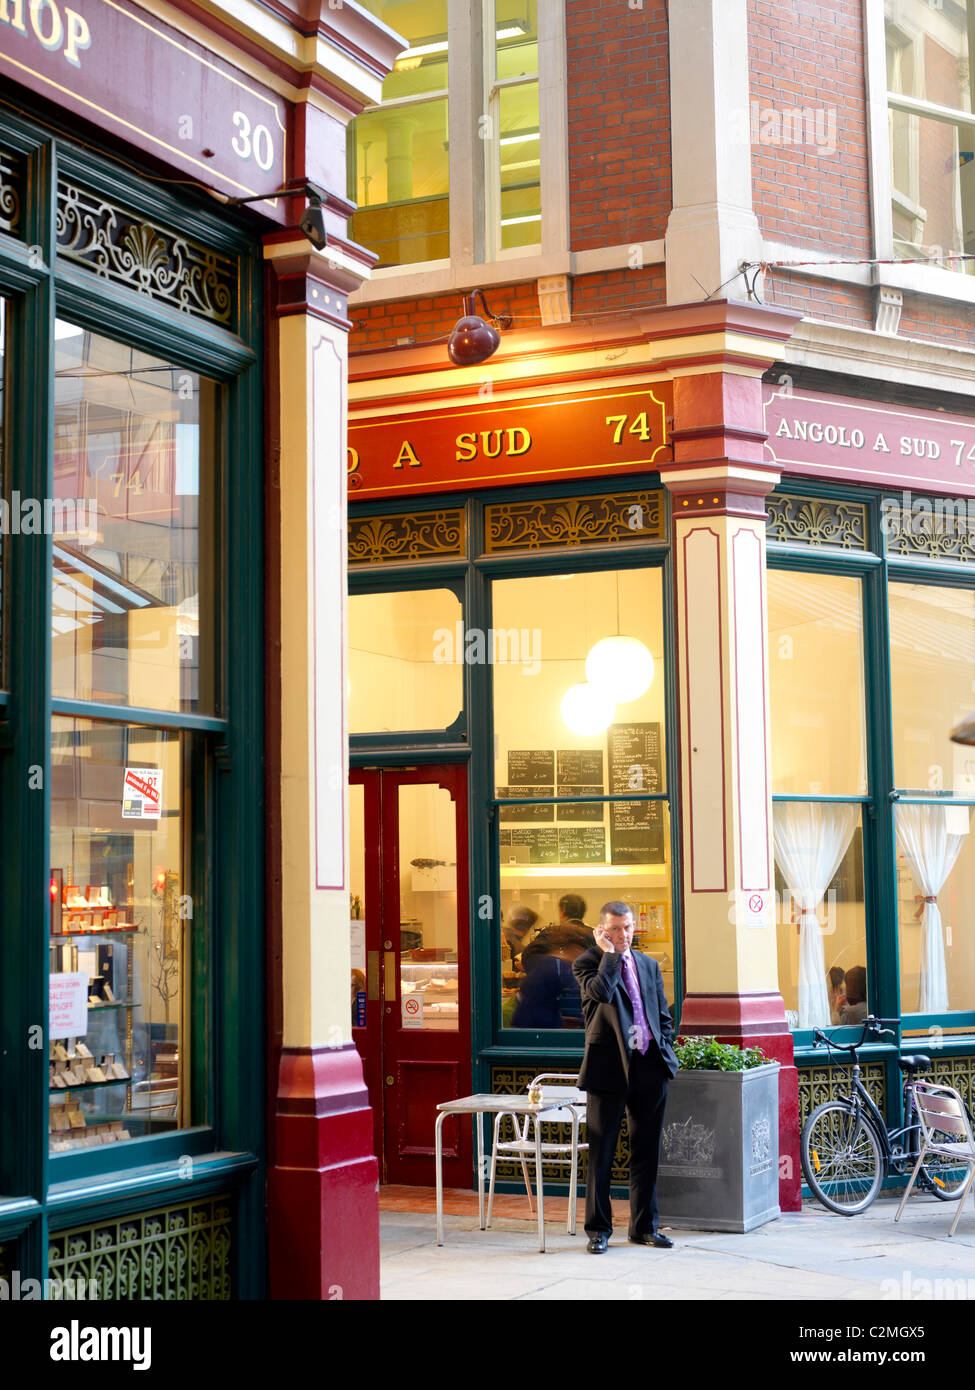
{"points": [[653, 1238], [598, 1245]]}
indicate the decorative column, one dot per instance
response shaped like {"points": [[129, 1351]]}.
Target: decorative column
{"points": [[323, 1212], [718, 483]]}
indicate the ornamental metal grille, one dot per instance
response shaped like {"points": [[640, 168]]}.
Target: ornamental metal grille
{"points": [[937, 528], [815, 521], [378, 540], [958, 1072], [132, 250], [819, 1084], [180, 1253], [11, 191], [625, 519]]}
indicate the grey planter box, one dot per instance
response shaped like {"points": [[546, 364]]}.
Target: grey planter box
{"points": [[719, 1161]]}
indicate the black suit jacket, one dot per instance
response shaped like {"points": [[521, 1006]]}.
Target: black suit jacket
{"points": [[608, 1015]]}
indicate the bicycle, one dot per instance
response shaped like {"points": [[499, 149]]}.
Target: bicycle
{"points": [[847, 1149]]}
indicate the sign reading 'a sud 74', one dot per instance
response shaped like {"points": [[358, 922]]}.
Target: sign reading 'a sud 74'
{"points": [[522, 441]]}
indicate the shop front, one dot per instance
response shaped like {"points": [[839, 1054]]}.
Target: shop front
{"points": [[166, 360], [675, 637]]}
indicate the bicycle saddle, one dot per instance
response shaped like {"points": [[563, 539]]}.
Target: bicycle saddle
{"points": [[916, 1063]]}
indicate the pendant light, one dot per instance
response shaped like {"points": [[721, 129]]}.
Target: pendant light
{"points": [[588, 709], [621, 665]]}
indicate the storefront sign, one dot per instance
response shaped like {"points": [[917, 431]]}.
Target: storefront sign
{"points": [[142, 793], [864, 441], [509, 442], [68, 1005], [112, 63]]}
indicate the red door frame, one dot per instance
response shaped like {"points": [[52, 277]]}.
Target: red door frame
{"points": [[408, 1070]]}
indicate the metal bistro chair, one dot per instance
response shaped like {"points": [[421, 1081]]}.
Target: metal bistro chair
{"points": [[568, 1105], [941, 1112]]}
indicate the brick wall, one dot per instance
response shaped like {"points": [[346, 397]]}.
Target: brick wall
{"points": [[619, 122], [818, 299], [807, 56], [937, 321]]}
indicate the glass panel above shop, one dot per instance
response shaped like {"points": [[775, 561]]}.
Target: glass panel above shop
{"points": [[516, 38], [928, 50], [407, 652], [815, 625], [133, 607], [571, 717]]}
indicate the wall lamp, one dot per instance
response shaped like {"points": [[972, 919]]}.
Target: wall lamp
{"points": [[471, 339], [312, 224]]}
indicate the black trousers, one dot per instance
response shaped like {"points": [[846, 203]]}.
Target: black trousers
{"points": [[644, 1101]]}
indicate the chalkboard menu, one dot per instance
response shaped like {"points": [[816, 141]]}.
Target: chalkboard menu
{"points": [[589, 811], [542, 845], [636, 828], [531, 767], [582, 845], [580, 767], [527, 813]]}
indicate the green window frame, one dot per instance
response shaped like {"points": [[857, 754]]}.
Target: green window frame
{"points": [[45, 1192]]}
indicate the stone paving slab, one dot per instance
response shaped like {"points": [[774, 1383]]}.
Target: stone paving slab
{"points": [[806, 1255]]}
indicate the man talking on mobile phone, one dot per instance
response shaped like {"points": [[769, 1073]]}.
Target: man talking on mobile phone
{"points": [[628, 1064]]}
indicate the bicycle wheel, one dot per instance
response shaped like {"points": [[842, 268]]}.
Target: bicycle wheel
{"points": [[942, 1175], [841, 1158]]}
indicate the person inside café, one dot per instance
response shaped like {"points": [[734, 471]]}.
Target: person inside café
{"points": [[549, 996], [854, 1008]]}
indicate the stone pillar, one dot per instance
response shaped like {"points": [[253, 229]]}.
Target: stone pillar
{"points": [[323, 1175], [718, 482]]}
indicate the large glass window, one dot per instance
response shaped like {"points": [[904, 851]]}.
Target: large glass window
{"points": [[818, 754], [121, 918], [929, 55], [932, 657], [398, 152], [132, 624], [579, 712], [407, 652], [514, 149], [133, 620]]}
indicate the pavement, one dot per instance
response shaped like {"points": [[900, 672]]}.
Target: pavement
{"points": [[807, 1255]]}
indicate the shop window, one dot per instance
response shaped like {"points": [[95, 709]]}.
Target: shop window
{"points": [[816, 675], [133, 612], [398, 152], [932, 653], [121, 930], [407, 652], [568, 728], [932, 128], [818, 722]]}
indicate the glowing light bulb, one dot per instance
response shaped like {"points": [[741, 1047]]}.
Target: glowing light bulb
{"points": [[587, 710], [621, 666]]}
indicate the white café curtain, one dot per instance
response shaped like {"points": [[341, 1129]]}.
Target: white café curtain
{"points": [[931, 851], [811, 838]]}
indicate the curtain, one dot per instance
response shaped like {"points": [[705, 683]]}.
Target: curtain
{"points": [[811, 838], [931, 851]]}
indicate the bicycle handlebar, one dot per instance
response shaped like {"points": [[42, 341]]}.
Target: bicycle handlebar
{"points": [[870, 1025]]}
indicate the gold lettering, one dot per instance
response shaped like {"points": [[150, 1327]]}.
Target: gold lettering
{"points": [[512, 451], [18, 9], [353, 458], [53, 39], [406, 455], [466, 447], [79, 36], [485, 440]]}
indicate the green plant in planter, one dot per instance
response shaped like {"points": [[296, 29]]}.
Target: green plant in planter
{"points": [[707, 1054]]}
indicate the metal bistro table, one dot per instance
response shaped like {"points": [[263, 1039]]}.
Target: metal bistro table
{"points": [[479, 1106]]}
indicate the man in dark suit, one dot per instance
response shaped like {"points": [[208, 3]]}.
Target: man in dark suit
{"points": [[628, 1064]]}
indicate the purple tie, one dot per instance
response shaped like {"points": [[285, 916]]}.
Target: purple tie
{"points": [[632, 987]]}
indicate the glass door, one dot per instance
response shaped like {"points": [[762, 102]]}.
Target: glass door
{"points": [[410, 961]]}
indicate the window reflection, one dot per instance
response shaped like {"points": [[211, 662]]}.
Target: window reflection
{"points": [[132, 518]]}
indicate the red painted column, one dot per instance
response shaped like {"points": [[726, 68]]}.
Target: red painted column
{"points": [[718, 481]]}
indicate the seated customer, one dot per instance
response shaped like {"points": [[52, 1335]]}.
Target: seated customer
{"points": [[549, 997], [855, 1010], [837, 992], [516, 929]]}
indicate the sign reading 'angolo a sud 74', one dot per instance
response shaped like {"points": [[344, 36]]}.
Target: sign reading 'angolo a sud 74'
{"points": [[520, 441]]}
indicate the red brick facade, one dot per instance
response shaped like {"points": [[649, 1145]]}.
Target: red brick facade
{"points": [[807, 123], [619, 122]]}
